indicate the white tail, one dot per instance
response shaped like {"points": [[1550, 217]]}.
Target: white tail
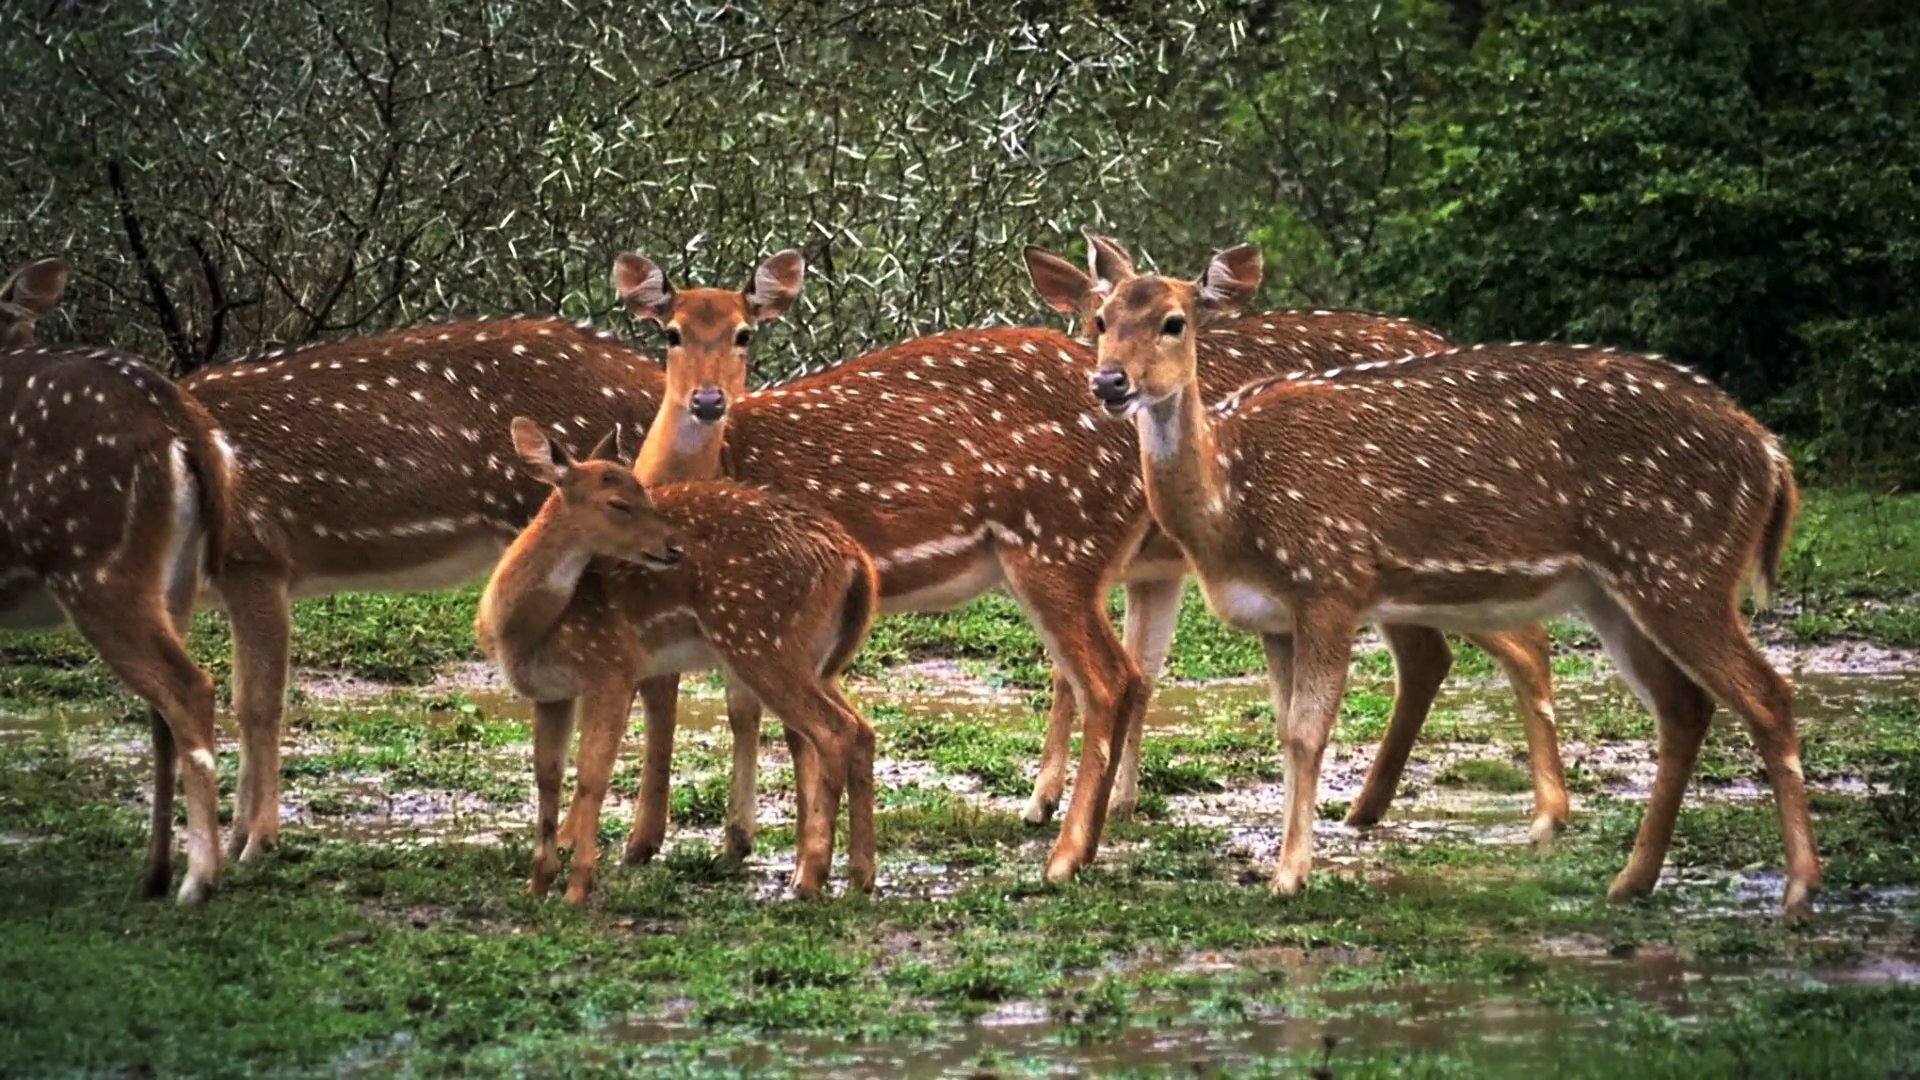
{"points": [[1477, 489], [112, 505]]}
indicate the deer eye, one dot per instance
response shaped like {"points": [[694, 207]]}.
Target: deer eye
{"points": [[673, 337], [620, 506], [1099, 324], [1174, 326], [741, 339]]}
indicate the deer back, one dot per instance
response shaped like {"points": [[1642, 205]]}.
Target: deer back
{"points": [[380, 461], [1503, 462], [108, 469]]}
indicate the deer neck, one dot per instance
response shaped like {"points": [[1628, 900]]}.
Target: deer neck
{"points": [[1185, 484], [524, 601], [679, 447]]}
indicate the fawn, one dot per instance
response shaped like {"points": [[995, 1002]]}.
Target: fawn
{"points": [[436, 501], [708, 575], [1473, 489], [113, 504]]}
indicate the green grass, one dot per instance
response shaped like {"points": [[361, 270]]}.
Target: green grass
{"points": [[428, 959]]}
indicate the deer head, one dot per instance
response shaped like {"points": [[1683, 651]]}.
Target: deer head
{"points": [[1069, 290], [708, 330], [1145, 325], [600, 499], [29, 294]]}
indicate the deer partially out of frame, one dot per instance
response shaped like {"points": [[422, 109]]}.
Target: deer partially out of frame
{"points": [[113, 503], [374, 465], [1232, 354], [1475, 489], [957, 487], [711, 575]]}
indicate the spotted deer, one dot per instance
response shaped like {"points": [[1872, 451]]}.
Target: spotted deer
{"points": [[373, 465], [113, 503], [956, 487], [1232, 354], [708, 576], [1474, 489]]}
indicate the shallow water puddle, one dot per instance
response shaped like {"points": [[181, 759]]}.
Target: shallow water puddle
{"points": [[1285, 1002]]}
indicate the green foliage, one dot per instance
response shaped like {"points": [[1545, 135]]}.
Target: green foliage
{"points": [[1728, 181]]}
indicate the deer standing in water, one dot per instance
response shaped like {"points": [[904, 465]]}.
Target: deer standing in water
{"points": [[374, 465], [1232, 354], [710, 575], [1475, 489], [1027, 493], [113, 503]]}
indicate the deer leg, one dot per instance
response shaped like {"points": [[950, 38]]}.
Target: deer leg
{"points": [[1109, 689], [861, 857], [552, 729], [822, 750], [743, 804], [1712, 647], [604, 709], [140, 647], [257, 604], [1683, 712], [660, 696], [1051, 783], [1526, 655], [160, 838], [1421, 659], [1153, 611], [1322, 648]]}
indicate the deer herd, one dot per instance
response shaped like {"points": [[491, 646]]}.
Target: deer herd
{"points": [[1313, 470]]}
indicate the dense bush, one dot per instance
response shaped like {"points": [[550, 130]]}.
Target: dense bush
{"points": [[1735, 182], [1729, 181], [228, 175]]}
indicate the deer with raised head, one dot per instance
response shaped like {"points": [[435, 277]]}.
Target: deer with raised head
{"points": [[1232, 354], [704, 576], [113, 504], [957, 488], [373, 465], [1474, 489]]}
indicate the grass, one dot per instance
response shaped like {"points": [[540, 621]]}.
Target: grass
{"points": [[340, 954], [1853, 572]]}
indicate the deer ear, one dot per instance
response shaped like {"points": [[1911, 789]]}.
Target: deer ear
{"points": [[607, 449], [775, 286], [36, 287], [1230, 280], [540, 454], [642, 287], [1059, 282], [1108, 262]]}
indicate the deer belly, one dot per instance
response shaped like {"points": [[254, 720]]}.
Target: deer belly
{"points": [[935, 582], [1249, 607], [25, 604], [1504, 608], [421, 567]]}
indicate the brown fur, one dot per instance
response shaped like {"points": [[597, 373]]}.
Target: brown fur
{"points": [[1008, 485], [91, 532], [1437, 491], [377, 464], [1237, 358], [777, 596]]}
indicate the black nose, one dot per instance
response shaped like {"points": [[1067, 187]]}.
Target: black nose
{"points": [[1110, 385], [709, 403]]}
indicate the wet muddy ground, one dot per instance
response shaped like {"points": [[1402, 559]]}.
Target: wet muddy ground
{"points": [[1437, 935]]}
